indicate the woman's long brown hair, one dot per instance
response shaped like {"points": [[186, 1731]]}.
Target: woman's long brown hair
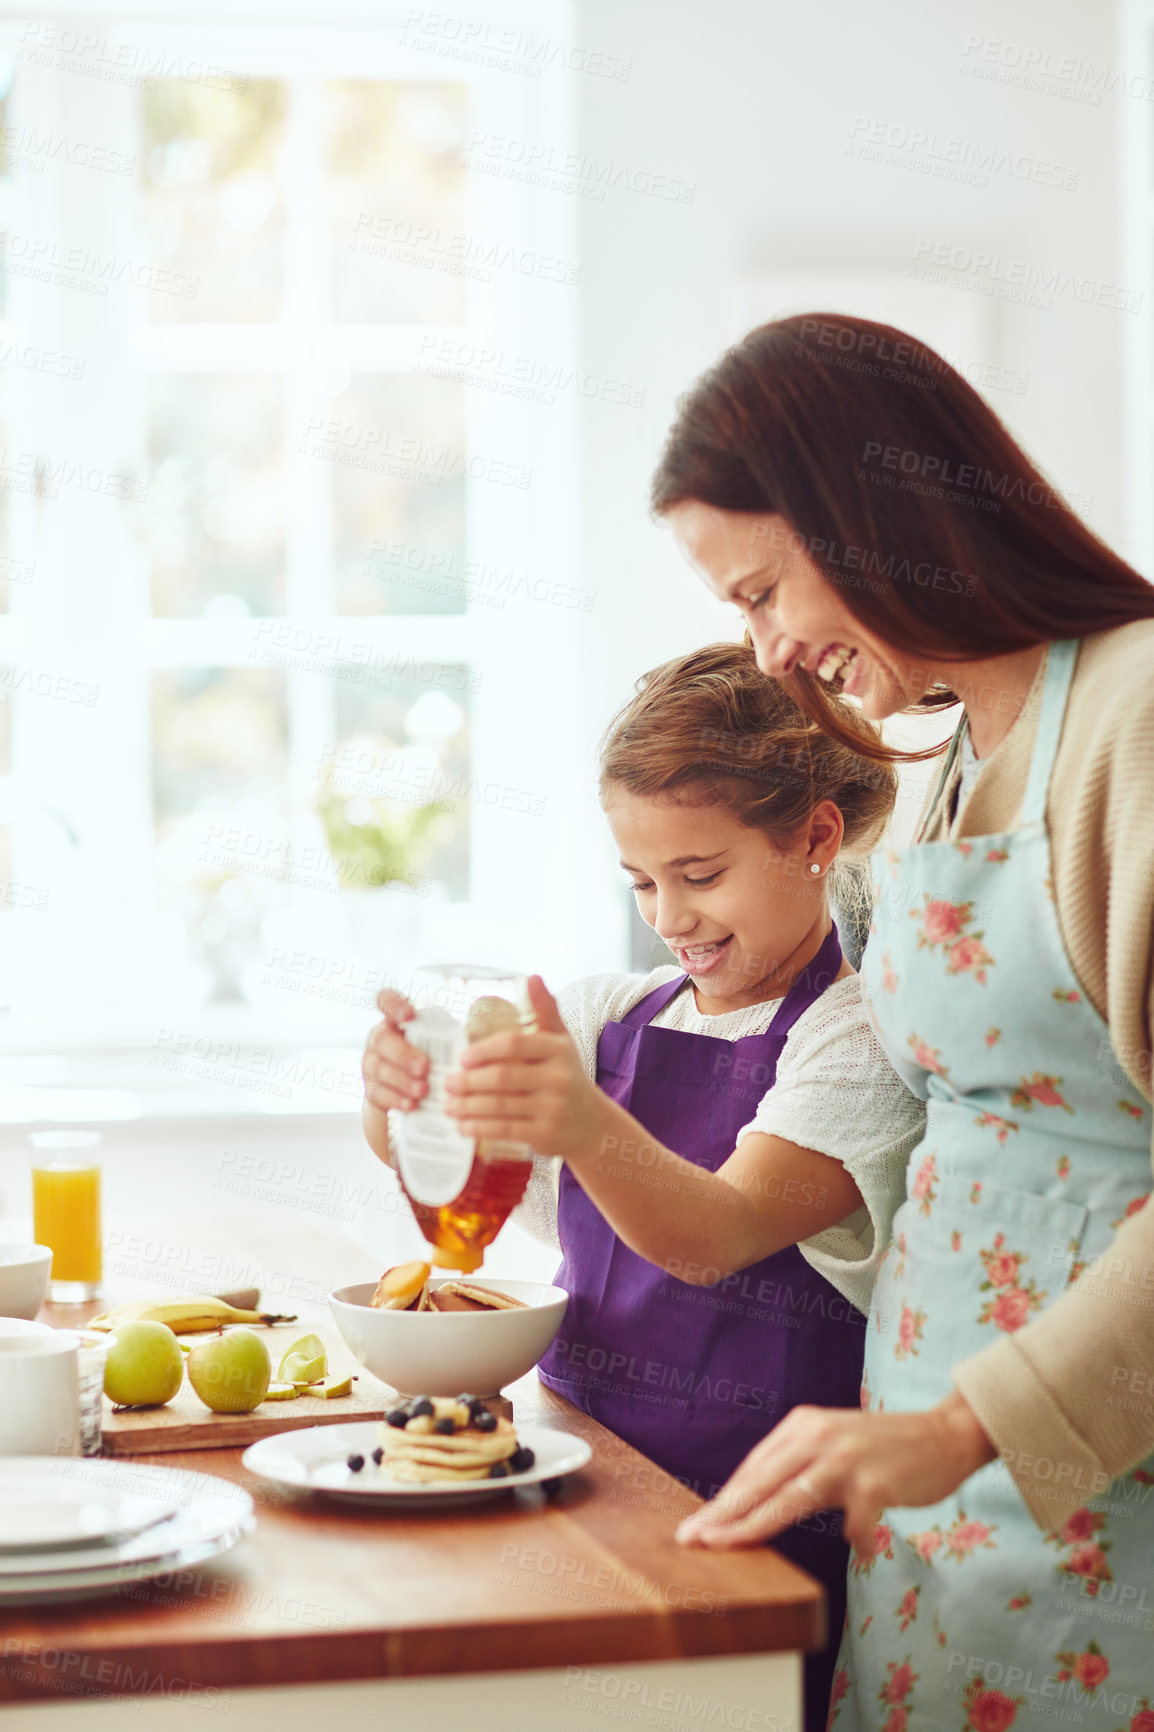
{"points": [[904, 489]]}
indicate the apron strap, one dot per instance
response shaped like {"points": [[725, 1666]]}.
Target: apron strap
{"points": [[1060, 659], [943, 778], [648, 1007], [809, 985]]}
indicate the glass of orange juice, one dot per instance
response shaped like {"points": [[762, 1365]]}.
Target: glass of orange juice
{"points": [[66, 1211]]}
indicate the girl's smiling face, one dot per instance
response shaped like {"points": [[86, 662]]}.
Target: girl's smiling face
{"points": [[741, 915]]}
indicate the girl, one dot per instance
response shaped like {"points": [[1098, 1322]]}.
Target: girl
{"points": [[731, 1133]]}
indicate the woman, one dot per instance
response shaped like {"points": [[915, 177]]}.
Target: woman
{"points": [[885, 537]]}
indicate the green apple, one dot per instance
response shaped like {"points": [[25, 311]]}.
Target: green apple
{"points": [[144, 1367], [231, 1373]]}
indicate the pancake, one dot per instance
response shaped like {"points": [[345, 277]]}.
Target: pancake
{"points": [[406, 1288], [435, 1451], [414, 1448], [465, 1296], [412, 1473]]}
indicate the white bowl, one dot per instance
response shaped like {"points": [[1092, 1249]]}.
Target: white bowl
{"points": [[24, 1273], [450, 1352]]}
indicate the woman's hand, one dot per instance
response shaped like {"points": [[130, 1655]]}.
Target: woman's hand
{"points": [[528, 1088], [394, 1072], [836, 1458]]}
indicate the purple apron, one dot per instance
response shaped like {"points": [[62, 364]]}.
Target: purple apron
{"points": [[694, 1376]]}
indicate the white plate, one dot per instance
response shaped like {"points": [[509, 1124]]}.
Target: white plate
{"points": [[199, 1517], [316, 1459], [69, 1504], [99, 1583]]}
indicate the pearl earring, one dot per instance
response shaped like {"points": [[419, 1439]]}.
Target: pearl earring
{"points": [[815, 867]]}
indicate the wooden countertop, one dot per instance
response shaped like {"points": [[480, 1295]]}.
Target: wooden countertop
{"points": [[325, 1592]]}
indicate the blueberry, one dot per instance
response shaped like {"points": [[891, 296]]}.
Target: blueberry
{"points": [[445, 1427], [355, 1463], [470, 1401], [378, 1456], [417, 1409], [485, 1421], [521, 1460], [499, 1470], [397, 1417]]}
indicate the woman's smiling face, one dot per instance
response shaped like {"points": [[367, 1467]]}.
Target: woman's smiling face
{"points": [[731, 906], [795, 615]]}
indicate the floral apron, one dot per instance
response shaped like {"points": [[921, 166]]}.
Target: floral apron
{"points": [[967, 1617]]}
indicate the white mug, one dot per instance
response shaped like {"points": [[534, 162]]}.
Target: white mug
{"points": [[40, 1411], [24, 1326]]}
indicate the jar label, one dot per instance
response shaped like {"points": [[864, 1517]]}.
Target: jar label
{"points": [[435, 1160]]}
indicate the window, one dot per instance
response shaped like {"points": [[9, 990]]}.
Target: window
{"points": [[290, 574]]}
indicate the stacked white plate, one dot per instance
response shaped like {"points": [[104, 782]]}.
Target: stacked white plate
{"points": [[72, 1528]]}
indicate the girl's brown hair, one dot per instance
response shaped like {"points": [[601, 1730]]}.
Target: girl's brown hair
{"points": [[711, 729], [904, 489]]}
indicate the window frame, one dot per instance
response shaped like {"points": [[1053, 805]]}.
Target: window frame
{"points": [[90, 968]]}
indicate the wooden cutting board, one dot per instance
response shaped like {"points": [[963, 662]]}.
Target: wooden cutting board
{"points": [[186, 1423]]}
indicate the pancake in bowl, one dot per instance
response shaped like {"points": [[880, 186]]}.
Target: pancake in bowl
{"points": [[406, 1288]]}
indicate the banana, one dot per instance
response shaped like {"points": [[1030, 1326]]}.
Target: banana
{"points": [[189, 1316]]}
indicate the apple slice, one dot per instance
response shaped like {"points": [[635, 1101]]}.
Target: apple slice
{"points": [[329, 1387], [304, 1362]]}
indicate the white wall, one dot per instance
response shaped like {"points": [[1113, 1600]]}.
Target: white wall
{"points": [[756, 102]]}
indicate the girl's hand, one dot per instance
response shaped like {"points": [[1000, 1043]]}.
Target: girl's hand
{"points": [[394, 1072], [836, 1458], [527, 1088]]}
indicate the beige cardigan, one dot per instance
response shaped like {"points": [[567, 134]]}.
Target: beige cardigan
{"points": [[1049, 1395]]}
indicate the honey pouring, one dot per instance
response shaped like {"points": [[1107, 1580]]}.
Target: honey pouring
{"points": [[461, 1190]]}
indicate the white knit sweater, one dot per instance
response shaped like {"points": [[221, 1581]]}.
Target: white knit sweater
{"points": [[835, 1092]]}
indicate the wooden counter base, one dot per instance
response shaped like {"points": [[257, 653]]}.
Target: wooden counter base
{"points": [[756, 1693]]}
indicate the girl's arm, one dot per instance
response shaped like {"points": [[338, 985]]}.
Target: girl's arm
{"points": [[375, 1124], [700, 1226]]}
